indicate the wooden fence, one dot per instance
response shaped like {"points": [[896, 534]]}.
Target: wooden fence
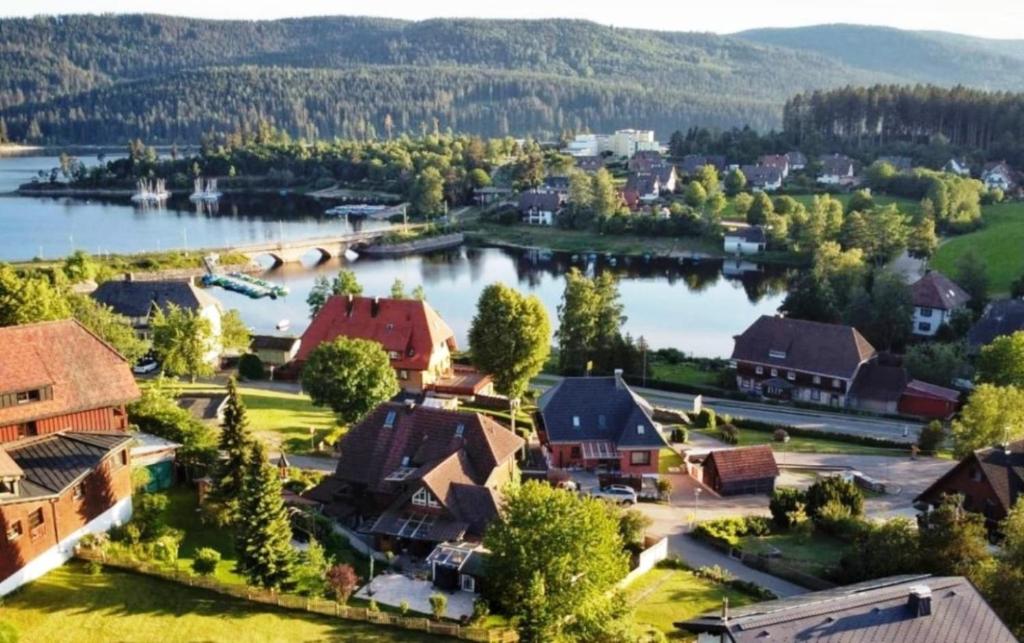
{"points": [[306, 604]]}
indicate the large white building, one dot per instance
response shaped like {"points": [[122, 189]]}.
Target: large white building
{"points": [[588, 145], [624, 143]]}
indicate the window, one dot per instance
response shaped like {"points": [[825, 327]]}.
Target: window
{"points": [[924, 327], [602, 422], [639, 429], [817, 379], [14, 531], [468, 583], [389, 421], [79, 491], [28, 396], [403, 374], [459, 430], [925, 312], [976, 474], [776, 354], [7, 487], [421, 497], [775, 372], [575, 453], [759, 370], [641, 458], [575, 421], [791, 376], [815, 395], [393, 354], [836, 383], [35, 523]]}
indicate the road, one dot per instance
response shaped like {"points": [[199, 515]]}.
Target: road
{"points": [[825, 421]]}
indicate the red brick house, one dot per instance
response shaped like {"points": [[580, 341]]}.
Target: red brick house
{"points": [[745, 470], [58, 376], [55, 489], [417, 340], [990, 480], [413, 476], [599, 422]]}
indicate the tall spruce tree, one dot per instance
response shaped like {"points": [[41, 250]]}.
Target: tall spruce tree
{"points": [[236, 443], [263, 536]]}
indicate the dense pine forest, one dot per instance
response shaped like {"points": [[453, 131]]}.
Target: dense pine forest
{"points": [[886, 116], [102, 79]]}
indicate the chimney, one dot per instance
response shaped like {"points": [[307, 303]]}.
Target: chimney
{"points": [[920, 601], [410, 405], [618, 379], [375, 308], [349, 306], [725, 609]]}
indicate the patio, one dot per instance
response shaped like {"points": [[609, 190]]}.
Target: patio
{"points": [[392, 589]]}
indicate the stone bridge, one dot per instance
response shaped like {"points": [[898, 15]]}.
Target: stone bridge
{"points": [[290, 251]]}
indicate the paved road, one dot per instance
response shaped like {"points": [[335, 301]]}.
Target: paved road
{"points": [[697, 554], [825, 421]]}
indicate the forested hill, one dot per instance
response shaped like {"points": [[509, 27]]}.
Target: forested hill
{"points": [[94, 79], [918, 56]]}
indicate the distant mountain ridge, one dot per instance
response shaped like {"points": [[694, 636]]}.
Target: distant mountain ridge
{"points": [[88, 78]]}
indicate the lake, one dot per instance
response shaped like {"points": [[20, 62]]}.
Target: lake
{"points": [[696, 307]]}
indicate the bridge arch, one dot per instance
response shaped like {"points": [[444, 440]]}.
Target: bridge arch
{"points": [[276, 258]]}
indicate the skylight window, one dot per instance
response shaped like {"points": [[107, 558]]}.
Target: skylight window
{"points": [[602, 422], [459, 430], [576, 421], [640, 429], [776, 354], [389, 421]]}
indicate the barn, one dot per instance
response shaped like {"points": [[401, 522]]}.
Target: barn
{"points": [[927, 400], [731, 472]]}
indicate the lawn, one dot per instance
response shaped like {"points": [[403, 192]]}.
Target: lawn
{"points": [[663, 596], [814, 555], [684, 373], [668, 459], [796, 444], [1000, 244], [281, 418], [560, 240], [72, 606]]}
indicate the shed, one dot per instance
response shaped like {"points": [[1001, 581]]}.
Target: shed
{"points": [[732, 472], [928, 400], [157, 456], [275, 350]]}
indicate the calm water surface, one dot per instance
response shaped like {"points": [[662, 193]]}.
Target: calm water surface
{"points": [[696, 307]]}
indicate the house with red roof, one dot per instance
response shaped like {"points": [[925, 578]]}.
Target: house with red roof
{"points": [[415, 476], [418, 341], [58, 376]]}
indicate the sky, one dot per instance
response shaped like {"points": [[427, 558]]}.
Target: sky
{"points": [[993, 19]]}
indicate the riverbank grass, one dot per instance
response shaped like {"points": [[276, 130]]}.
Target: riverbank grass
{"points": [[799, 444], [999, 244], [578, 241], [73, 606]]}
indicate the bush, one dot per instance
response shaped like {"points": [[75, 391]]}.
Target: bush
{"points": [[481, 609], [834, 489], [94, 567], [148, 516], [342, 580], [438, 605], [250, 367], [780, 435], [931, 437], [836, 519], [373, 606], [206, 560], [680, 434], [728, 531], [783, 502], [403, 607], [706, 419], [729, 434], [165, 548]]}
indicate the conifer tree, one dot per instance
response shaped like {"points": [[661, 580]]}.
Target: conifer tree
{"points": [[236, 444], [263, 537]]}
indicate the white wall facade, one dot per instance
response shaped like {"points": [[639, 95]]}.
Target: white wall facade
{"points": [[59, 554], [928, 320], [740, 246], [627, 142]]}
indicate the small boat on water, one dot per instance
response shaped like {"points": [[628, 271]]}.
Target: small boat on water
{"points": [[350, 254], [205, 191], [356, 210], [249, 286], [150, 191]]}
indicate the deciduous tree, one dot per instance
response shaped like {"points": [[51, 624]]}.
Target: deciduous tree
{"points": [[351, 376], [510, 337], [993, 415], [182, 340], [1002, 361]]}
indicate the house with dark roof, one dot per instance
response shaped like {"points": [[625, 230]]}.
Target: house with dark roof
{"points": [[589, 163], [888, 389], [749, 240], [646, 160], [418, 342], [998, 176], [958, 166], [744, 470], [540, 207], [275, 350], [138, 300], [413, 476], [1001, 317], [762, 177], [797, 160], [58, 376], [599, 423], [647, 185], [897, 609], [800, 360], [692, 163], [837, 169], [990, 480], [55, 489], [556, 183], [935, 298]]}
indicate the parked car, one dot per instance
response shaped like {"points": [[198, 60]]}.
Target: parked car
{"points": [[145, 365], [617, 493]]}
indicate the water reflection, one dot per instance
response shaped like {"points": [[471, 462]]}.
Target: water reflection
{"points": [[694, 306]]}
